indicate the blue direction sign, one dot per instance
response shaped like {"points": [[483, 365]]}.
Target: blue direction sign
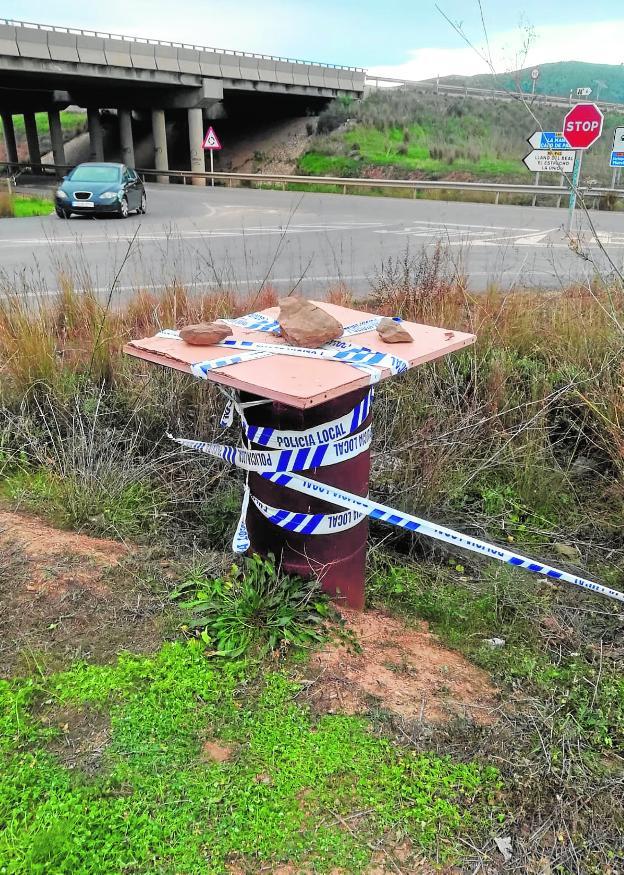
{"points": [[548, 140], [617, 159]]}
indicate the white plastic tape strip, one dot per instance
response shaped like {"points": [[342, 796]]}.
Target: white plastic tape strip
{"points": [[304, 459], [240, 542], [335, 350], [202, 369], [311, 437], [309, 523], [254, 322], [440, 533], [361, 327], [227, 417], [386, 514], [260, 322]]}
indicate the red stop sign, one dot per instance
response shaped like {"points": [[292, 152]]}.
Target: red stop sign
{"points": [[583, 125]]}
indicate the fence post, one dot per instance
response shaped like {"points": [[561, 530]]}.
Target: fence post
{"points": [[561, 182], [496, 198], [537, 179]]}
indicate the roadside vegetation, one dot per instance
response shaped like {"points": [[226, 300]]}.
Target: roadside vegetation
{"points": [[14, 206], [403, 134], [200, 748]]}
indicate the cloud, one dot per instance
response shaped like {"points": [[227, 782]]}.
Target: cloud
{"points": [[598, 42]]}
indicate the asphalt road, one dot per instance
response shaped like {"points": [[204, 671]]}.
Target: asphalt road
{"points": [[240, 238]]}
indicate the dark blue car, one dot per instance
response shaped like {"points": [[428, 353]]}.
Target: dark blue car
{"points": [[97, 188]]}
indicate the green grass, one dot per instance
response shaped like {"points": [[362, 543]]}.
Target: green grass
{"points": [[71, 122], [157, 806], [111, 506], [381, 149], [402, 132], [25, 206]]}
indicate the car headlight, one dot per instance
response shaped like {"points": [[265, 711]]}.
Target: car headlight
{"points": [[108, 195], [60, 193]]}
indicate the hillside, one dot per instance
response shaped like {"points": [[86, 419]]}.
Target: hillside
{"points": [[403, 134], [605, 80]]}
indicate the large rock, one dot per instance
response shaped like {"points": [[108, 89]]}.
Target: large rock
{"points": [[305, 324], [205, 333], [393, 332]]}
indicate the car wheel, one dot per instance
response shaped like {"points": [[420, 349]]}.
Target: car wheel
{"points": [[123, 208], [143, 207], [61, 213]]}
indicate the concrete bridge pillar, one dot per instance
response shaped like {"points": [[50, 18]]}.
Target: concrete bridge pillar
{"points": [[9, 137], [56, 136], [159, 131], [32, 137], [196, 139], [125, 136], [96, 138]]}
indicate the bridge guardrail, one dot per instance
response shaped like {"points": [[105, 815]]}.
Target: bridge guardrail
{"points": [[100, 34], [15, 171], [474, 91]]}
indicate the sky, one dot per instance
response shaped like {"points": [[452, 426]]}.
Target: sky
{"points": [[403, 38]]}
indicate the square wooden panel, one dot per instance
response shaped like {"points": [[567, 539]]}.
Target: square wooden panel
{"points": [[300, 382]]}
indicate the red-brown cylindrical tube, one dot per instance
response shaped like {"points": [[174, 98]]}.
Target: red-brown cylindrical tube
{"points": [[337, 559]]}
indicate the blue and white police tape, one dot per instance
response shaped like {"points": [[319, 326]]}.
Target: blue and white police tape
{"points": [[260, 322], [303, 459], [372, 362], [334, 350], [314, 436], [309, 523], [383, 513]]}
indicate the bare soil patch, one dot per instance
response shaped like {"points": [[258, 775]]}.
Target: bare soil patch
{"points": [[66, 596], [401, 668], [214, 752], [83, 735]]}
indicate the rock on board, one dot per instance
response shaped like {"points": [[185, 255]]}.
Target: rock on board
{"points": [[391, 331], [305, 324], [205, 333]]}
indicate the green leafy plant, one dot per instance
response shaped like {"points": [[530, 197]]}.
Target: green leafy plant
{"points": [[256, 606]]}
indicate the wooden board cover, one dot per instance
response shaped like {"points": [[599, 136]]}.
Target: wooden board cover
{"points": [[300, 382]]}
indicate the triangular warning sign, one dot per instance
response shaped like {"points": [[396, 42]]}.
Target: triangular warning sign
{"points": [[211, 141]]}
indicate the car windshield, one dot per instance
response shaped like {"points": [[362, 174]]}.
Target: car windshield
{"points": [[95, 173]]}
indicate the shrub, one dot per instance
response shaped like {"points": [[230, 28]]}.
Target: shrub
{"points": [[335, 115], [256, 606]]}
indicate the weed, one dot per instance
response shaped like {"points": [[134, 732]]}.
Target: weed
{"points": [[256, 606]]}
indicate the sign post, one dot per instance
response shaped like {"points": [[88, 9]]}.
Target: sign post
{"points": [[576, 175], [211, 144], [534, 77], [582, 126]]}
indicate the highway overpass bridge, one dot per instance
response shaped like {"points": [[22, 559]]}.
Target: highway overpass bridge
{"points": [[45, 69]]}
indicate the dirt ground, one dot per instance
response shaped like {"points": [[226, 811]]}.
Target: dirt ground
{"points": [[67, 596], [400, 668], [280, 144]]}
